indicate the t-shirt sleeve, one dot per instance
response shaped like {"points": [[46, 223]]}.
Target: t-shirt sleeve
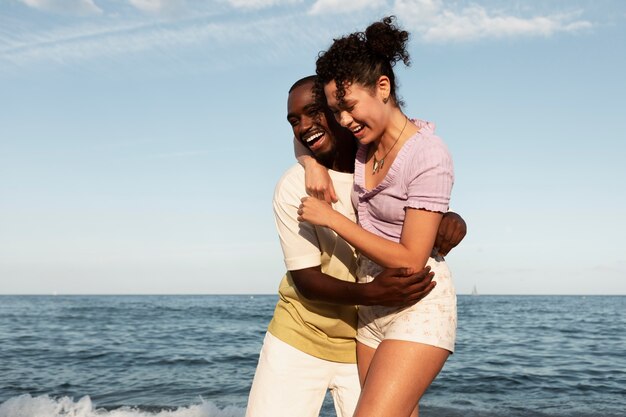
{"points": [[298, 240], [431, 177]]}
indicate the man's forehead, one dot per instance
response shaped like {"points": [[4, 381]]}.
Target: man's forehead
{"points": [[303, 91], [301, 97]]}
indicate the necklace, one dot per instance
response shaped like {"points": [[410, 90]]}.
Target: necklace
{"points": [[378, 163]]}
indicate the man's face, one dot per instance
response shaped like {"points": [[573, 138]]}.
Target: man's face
{"points": [[308, 121]]}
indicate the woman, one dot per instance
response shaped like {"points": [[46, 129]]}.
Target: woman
{"points": [[403, 180]]}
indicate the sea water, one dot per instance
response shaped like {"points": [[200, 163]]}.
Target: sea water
{"points": [[195, 356]]}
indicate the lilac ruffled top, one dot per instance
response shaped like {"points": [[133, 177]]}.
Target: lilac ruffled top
{"points": [[421, 177]]}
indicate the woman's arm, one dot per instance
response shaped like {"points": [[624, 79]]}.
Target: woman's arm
{"points": [[416, 242]]}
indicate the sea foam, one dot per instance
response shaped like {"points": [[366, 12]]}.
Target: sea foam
{"points": [[44, 406]]}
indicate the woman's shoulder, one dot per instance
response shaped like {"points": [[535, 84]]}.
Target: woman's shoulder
{"points": [[426, 140], [425, 151]]}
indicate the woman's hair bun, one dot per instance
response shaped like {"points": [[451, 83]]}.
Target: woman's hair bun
{"points": [[388, 41]]}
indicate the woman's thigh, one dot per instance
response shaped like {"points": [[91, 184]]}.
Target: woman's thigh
{"points": [[364, 355], [398, 375]]}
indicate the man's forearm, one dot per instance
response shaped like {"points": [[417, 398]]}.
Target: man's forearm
{"points": [[317, 286], [392, 287]]}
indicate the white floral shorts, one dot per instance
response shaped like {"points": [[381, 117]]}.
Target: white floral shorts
{"points": [[431, 321]]}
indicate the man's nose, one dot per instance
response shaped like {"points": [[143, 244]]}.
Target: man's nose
{"points": [[307, 122]]}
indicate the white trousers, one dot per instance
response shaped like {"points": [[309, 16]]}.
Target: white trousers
{"points": [[291, 383]]}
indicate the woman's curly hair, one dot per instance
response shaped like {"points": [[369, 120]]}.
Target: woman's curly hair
{"points": [[362, 57]]}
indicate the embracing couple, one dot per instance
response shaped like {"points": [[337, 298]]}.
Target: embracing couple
{"points": [[373, 234]]}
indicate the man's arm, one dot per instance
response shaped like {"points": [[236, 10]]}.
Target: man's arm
{"points": [[392, 287], [451, 232]]}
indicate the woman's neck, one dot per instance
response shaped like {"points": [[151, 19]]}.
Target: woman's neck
{"points": [[397, 130]]}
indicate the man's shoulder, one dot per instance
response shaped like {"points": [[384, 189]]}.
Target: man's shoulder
{"points": [[294, 172], [291, 183]]}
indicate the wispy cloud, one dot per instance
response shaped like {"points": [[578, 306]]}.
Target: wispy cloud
{"points": [[260, 4], [78, 7], [440, 21], [159, 6], [272, 37], [343, 6], [434, 21]]}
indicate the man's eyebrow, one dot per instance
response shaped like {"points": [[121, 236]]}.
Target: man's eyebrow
{"points": [[312, 106]]}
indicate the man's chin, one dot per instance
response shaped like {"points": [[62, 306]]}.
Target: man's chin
{"points": [[324, 157]]}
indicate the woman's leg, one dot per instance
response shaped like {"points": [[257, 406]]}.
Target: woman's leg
{"points": [[397, 376], [364, 356]]}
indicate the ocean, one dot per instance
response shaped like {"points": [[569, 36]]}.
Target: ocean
{"points": [[195, 356]]}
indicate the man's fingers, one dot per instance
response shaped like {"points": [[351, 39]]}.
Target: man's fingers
{"points": [[458, 236], [421, 278], [443, 238], [418, 295], [450, 234], [449, 240], [448, 244], [399, 272], [425, 271], [444, 247]]}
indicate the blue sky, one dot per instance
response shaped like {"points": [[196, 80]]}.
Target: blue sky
{"points": [[140, 140]]}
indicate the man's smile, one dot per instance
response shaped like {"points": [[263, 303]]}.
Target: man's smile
{"points": [[314, 139]]}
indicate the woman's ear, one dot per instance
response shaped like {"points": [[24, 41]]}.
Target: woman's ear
{"points": [[383, 88]]}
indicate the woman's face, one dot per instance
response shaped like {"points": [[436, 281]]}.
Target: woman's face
{"points": [[362, 111]]}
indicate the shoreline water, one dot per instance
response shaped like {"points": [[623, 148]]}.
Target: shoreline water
{"points": [[194, 356]]}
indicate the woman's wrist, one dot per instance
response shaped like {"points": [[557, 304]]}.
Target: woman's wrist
{"points": [[334, 220]]}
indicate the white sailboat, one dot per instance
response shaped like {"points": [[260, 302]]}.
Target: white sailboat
{"points": [[474, 291]]}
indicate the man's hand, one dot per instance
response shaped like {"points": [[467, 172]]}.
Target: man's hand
{"points": [[400, 287], [452, 230]]}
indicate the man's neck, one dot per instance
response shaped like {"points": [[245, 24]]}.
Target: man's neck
{"points": [[342, 160]]}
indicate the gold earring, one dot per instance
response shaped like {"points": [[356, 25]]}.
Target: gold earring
{"points": [[386, 99]]}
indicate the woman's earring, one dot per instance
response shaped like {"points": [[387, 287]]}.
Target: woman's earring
{"points": [[386, 99]]}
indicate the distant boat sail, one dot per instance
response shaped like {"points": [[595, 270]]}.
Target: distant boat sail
{"points": [[474, 291]]}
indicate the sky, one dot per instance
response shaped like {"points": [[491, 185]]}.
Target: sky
{"points": [[141, 140]]}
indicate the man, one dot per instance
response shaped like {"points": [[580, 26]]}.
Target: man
{"points": [[310, 344]]}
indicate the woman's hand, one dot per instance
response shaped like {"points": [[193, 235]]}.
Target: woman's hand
{"points": [[317, 181], [315, 211]]}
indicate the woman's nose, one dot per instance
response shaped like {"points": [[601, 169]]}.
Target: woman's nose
{"points": [[344, 119]]}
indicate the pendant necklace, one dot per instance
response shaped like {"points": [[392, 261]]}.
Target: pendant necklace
{"points": [[378, 163]]}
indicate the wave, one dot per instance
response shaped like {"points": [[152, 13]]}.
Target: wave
{"points": [[44, 406]]}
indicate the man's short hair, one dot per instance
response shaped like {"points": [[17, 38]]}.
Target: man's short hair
{"points": [[307, 79]]}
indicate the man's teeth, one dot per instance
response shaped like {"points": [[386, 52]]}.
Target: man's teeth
{"points": [[314, 137]]}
